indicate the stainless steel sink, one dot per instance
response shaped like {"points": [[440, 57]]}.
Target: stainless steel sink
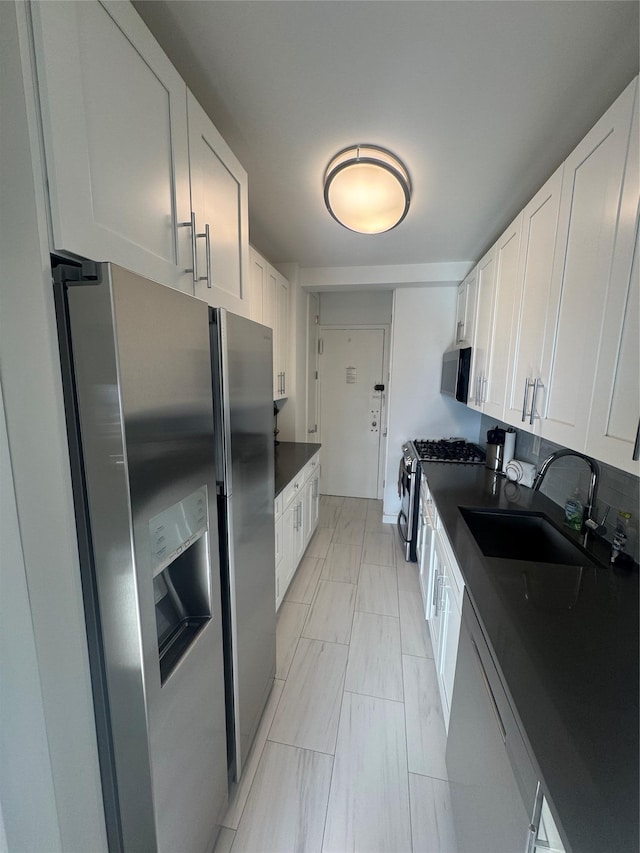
{"points": [[521, 536]]}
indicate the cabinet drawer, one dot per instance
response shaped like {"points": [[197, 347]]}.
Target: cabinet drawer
{"points": [[291, 490], [310, 468], [279, 531]]}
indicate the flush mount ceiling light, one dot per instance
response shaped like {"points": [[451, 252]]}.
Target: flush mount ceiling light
{"points": [[367, 189]]}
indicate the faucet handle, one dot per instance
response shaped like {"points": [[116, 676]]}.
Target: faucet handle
{"points": [[596, 527]]}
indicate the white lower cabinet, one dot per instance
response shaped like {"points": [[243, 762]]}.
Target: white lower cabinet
{"points": [[312, 503], [296, 518], [445, 621], [442, 588], [425, 544]]}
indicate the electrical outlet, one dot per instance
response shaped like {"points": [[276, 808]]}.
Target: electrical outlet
{"points": [[536, 445]]}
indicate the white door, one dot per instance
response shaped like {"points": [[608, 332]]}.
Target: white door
{"points": [[351, 365]]}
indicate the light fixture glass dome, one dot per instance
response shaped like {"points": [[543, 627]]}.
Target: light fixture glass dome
{"points": [[367, 189]]}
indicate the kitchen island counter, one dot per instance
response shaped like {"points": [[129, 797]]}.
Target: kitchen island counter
{"points": [[291, 457], [565, 642]]}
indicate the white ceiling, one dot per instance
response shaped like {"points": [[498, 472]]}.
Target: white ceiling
{"points": [[481, 99]]}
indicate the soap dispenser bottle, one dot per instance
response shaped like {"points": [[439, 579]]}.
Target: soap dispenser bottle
{"points": [[573, 512]]}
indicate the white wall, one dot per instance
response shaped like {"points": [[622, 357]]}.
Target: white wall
{"points": [[49, 775], [357, 308], [423, 324]]}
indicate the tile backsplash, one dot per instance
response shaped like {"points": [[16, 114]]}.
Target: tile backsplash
{"points": [[617, 490]]}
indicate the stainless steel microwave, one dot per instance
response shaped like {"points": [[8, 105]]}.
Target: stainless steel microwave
{"points": [[456, 371]]}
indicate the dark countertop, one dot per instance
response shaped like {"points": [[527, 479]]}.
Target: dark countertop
{"points": [[290, 457], [568, 658]]}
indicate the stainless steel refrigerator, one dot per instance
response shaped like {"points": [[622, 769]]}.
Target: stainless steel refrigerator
{"points": [[243, 403], [137, 380]]}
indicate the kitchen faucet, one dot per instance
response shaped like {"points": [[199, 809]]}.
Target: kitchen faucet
{"points": [[589, 521]]}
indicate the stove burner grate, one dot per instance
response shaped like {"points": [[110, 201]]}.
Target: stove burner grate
{"points": [[449, 450]]}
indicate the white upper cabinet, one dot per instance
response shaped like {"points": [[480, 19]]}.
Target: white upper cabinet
{"points": [[281, 337], [465, 311], [115, 133], [529, 358], [504, 291], [219, 201], [615, 412], [257, 285], [269, 304], [587, 227], [485, 282]]}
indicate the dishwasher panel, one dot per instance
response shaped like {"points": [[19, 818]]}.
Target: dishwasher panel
{"points": [[493, 783]]}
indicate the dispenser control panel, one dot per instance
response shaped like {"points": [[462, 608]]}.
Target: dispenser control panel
{"points": [[174, 529]]}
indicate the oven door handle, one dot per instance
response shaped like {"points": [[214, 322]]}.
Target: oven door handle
{"points": [[402, 536], [401, 472]]}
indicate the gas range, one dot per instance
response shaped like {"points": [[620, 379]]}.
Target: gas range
{"points": [[448, 450]]}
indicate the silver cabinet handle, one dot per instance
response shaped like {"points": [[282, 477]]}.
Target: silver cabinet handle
{"points": [[284, 383], [207, 244], [636, 446], [459, 326], [524, 402], [203, 234], [435, 586], [194, 254], [483, 390], [536, 384]]}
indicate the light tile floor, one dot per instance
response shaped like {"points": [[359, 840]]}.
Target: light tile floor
{"points": [[349, 755]]}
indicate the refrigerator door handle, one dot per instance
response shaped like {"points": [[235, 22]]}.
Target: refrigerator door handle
{"points": [[224, 409]]}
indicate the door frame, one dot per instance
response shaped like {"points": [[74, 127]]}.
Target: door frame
{"points": [[384, 412]]}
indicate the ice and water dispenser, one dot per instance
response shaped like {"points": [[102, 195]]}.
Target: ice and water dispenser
{"points": [[181, 580]]}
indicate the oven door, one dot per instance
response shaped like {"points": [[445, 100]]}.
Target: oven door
{"points": [[406, 516]]}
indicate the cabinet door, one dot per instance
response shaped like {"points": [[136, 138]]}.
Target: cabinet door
{"points": [[313, 318], [299, 528], [281, 334], [278, 539], [465, 311], [219, 201], [436, 623], [311, 505], [615, 412], [486, 275], [288, 563], [461, 306], [588, 221], [504, 291], [535, 265], [115, 133], [257, 285], [449, 653]]}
